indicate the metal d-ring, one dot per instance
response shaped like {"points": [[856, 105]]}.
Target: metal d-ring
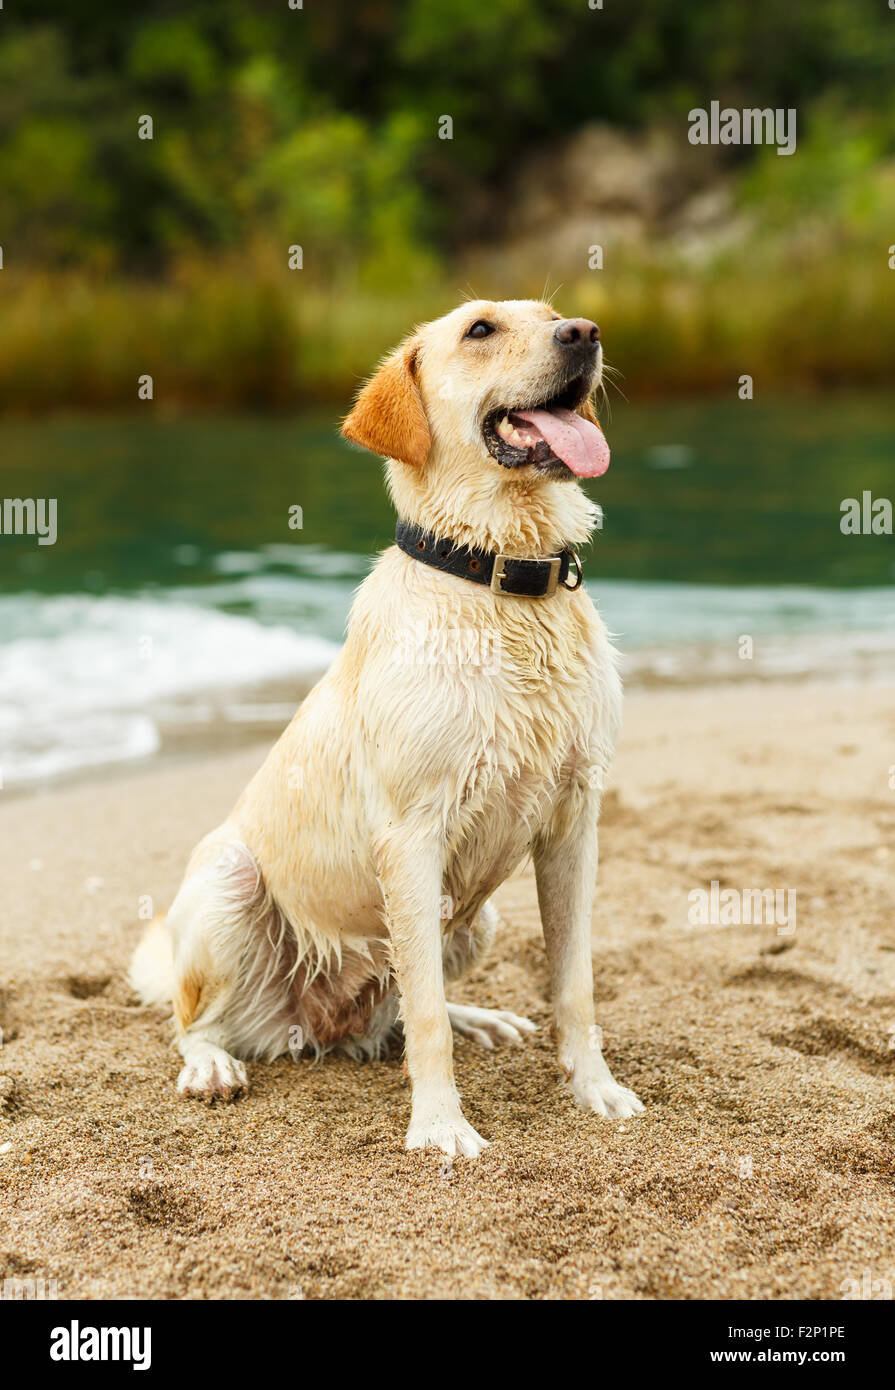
{"points": [[580, 580]]}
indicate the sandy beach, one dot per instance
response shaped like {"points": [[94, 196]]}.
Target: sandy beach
{"points": [[764, 1166]]}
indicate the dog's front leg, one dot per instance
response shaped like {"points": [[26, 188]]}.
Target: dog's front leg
{"points": [[566, 869], [410, 875]]}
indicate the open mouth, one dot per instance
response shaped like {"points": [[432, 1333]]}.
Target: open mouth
{"points": [[551, 437]]}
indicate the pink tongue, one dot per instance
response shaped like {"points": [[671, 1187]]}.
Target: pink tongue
{"points": [[581, 445]]}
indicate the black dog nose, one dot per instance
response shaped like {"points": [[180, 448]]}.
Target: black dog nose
{"points": [[577, 333]]}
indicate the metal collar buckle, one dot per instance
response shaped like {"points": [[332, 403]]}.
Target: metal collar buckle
{"points": [[498, 575]]}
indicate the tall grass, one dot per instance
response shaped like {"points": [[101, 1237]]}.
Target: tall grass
{"points": [[253, 334]]}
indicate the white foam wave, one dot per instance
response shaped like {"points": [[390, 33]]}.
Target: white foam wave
{"points": [[90, 680], [80, 676]]}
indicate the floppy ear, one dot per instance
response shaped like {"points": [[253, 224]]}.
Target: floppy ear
{"points": [[388, 415]]}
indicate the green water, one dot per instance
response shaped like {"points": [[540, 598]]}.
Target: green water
{"points": [[708, 492], [722, 518]]}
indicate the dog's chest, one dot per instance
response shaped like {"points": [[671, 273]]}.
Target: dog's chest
{"points": [[528, 737]]}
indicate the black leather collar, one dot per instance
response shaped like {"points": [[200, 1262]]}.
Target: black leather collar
{"points": [[502, 573]]}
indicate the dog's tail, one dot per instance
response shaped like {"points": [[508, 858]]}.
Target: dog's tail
{"points": [[152, 968]]}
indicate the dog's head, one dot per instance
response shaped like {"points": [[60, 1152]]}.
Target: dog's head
{"points": [[492, 401]]}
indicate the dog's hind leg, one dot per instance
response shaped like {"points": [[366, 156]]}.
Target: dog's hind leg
{"points": [[463, 949], [213, 922]]}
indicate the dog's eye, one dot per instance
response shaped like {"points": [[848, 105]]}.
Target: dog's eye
{"points": [[480, 329]]}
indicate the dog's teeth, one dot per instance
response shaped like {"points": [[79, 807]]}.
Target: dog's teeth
{"points": [[510, 434]]}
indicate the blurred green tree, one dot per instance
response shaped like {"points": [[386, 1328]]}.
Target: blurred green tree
{"points": [[320, 124]]}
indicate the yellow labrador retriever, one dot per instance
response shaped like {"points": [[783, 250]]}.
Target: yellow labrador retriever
{"points": [[468, 722]]}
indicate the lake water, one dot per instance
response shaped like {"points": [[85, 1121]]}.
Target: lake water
{"points": [[178, 606]]}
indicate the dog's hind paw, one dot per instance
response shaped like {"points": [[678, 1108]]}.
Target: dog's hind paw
{"points": [[488, 1026], [211, 1074]]}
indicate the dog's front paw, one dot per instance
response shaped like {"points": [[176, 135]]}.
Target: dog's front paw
{"points": [[606, 1098], [488, 1026], [448, 1132], [211, 1074]]}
